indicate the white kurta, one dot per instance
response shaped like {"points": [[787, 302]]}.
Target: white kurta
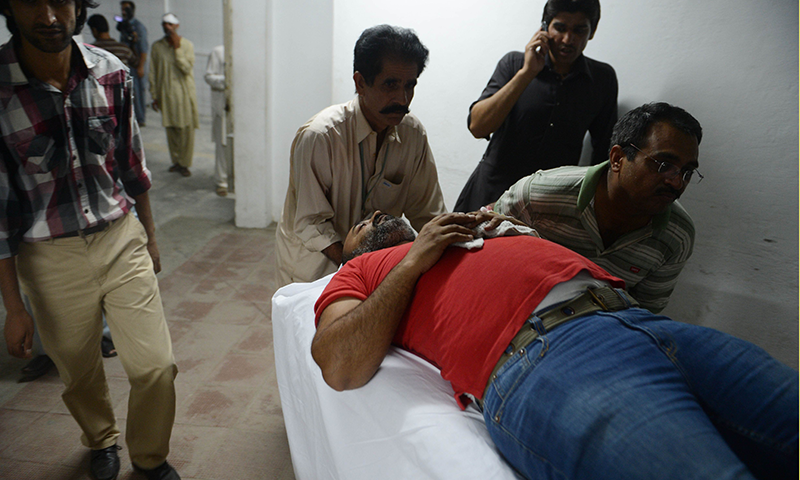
{"points": [[337, 178], [215, 78]]}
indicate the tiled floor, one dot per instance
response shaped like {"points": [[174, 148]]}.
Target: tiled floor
{"points": [[216, 289]]}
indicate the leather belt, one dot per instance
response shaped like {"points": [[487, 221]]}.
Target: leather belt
{"points": [[605, 299], [87, 231]]}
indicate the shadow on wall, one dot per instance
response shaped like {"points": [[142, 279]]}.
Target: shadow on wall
{"points": [[753, 318]]}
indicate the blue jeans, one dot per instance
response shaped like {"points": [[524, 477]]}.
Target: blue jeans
{"points": [[631, 395]]}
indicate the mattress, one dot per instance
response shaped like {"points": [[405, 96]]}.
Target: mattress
{"points": [[403, 424]]}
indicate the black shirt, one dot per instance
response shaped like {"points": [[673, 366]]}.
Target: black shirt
{"points": [[546, 126]]}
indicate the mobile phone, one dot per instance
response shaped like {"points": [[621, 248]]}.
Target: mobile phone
{"points": [[544, 29]]}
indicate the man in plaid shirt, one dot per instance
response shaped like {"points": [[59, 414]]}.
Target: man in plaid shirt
{"points": [[72, 167]]}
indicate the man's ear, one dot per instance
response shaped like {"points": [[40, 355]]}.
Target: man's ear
{"points": [[360, 81], [591, 34], [616, 157]]}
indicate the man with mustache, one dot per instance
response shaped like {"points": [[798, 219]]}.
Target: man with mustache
{"points": [[539, 104], [575, 381], [622, 214], [349, 159], [71, 169]]}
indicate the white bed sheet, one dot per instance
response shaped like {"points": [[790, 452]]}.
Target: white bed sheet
{"points": [[403, 424]]}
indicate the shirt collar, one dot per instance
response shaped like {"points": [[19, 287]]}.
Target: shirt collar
{"points": [[579, 67], [11, 71], [589, 187], [363, 128]]}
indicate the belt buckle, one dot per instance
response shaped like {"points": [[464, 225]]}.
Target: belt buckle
{"points": [[597, 300]]}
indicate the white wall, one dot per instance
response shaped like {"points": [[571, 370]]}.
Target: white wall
{"points": [[282, 74], [731, 63]]}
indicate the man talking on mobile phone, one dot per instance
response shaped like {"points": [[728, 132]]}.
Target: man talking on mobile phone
{"points": [[539, 104]]}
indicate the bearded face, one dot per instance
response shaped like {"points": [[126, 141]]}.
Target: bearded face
{"points": [[378, 232]]}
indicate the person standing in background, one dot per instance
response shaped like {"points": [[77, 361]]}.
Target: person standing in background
{"points": [[134, 34], [215, 78], [99, 27], [539, 104], [174, 93]]}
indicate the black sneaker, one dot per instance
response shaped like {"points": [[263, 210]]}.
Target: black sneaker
{"points": [[107, 348], [105, 463], [162, 472], [40, 365]]}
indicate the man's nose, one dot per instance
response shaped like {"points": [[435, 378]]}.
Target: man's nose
{"points": [[676, 182], [45, 13], [403, 97]]}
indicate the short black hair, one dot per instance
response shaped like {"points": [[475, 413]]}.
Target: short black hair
{"points": [[634, 126], [590, 8], [80, 15], [385, 41], [133, 5], [98, 22]]}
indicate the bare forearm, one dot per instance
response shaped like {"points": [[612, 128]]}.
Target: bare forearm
{"points": [[9, 286], [350, 349], [488, 114], [142, 63], [145, 214], [18, 329]]}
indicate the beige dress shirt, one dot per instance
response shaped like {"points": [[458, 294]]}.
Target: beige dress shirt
{"points": [[337, 178], [172, 83]]}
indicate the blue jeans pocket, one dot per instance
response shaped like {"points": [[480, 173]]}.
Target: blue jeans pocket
{"points": [[514, 373]]}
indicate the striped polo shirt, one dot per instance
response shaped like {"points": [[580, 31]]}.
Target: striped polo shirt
{"points": [[559, 204]]}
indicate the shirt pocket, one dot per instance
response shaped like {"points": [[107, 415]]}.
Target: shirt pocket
{"points": [[387, 196], [37, 154], [100, 134]]}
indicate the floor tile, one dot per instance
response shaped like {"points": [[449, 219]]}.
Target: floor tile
{"points": [[12, 422], [234, 312], [214, 405], [50, 438], [257, 339], [29, 470], [241, 370], [191, 310], [231, 271], [37, 396], [247, 454]]}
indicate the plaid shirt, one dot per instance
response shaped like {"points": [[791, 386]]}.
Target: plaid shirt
{"points": [[70, 159]]}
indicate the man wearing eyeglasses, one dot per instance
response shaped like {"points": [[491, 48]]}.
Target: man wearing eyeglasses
{"points": [[622, 214]]}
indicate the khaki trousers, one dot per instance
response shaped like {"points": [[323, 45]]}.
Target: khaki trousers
{"points": [[180, 141], [70, 283]]}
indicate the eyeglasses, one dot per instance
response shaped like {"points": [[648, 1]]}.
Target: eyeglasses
{"points": [[670, 171]]}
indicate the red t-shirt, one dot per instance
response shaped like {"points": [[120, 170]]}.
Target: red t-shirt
{"points": [[467, 308]]}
